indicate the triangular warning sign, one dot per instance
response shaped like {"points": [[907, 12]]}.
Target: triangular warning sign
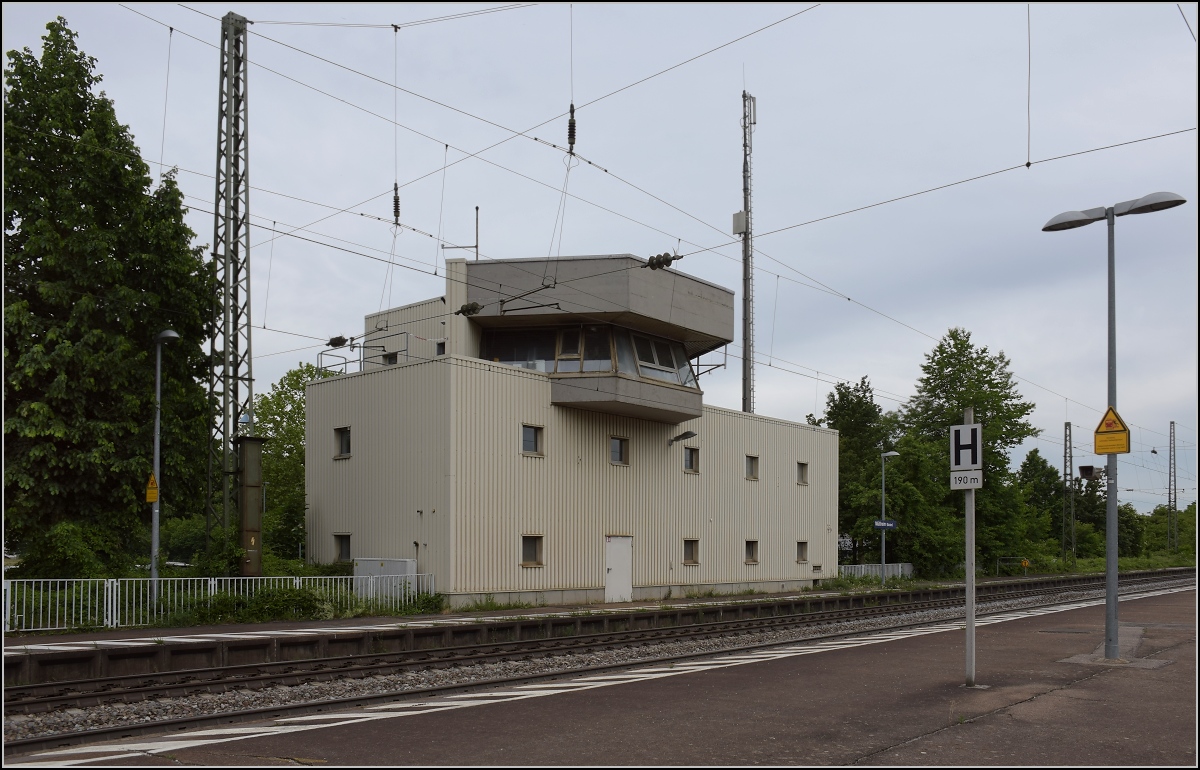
{"points": [[152, 484], [1112, 423]]}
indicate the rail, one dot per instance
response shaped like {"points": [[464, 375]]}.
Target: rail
{"points": [[67, 605]]}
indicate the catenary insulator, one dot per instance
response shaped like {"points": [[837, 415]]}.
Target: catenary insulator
{"points": [[396, 203], [571, 131]]}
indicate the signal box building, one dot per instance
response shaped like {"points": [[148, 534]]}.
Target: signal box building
{"points": [[552, 445]]}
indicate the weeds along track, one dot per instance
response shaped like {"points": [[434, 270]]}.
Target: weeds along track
{"points": [[474, 666]]}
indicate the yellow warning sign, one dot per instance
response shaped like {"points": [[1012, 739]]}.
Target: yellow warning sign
{"points": [[1112, 434], [152, 490]]}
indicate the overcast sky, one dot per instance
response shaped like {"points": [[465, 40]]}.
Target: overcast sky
{"points": [[857, 104]]}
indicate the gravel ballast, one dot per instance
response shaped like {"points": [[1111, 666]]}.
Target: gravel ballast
{"points": [[148, 711]]}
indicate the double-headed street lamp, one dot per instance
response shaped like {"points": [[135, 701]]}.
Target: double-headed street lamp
{"points": [[163, 336], [1066, 221], [883, 515]]}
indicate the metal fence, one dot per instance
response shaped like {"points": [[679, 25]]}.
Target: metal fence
{"points": [[61, 605], [902, 569]]}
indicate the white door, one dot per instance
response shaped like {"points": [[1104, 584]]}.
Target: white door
{"points": [[618, 568]]}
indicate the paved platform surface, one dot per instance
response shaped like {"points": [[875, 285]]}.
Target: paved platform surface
{"points": [[892, 698]]}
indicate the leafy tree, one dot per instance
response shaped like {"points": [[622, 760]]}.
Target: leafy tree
{"points": [[1041, 514], [851, 410], [958, 374], [279, 415], [96, 263], [1131, 530], [1156, 540]]}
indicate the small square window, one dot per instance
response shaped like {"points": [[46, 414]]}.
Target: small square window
{"points": [[691, 551], [801, 473], [752, 552], [341, 442], [531, 440], [691, 459], [342, 546], [531, 550], [802, 551], [752, 467], [816, 568], [389, 359], [440, 349], [618, 450]]}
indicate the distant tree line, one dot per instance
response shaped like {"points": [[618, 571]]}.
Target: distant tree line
{"points": [[1018, 513]]}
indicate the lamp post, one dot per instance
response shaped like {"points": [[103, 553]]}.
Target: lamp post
{"points": [[883, 515], [163, 336], [1067, 221]]}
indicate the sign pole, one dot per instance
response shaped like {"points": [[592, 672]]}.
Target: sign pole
{"points": [[968, 419]]}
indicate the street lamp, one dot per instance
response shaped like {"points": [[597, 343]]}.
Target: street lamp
{"points": [[163, 336], [883, 514], [1067, 221]]}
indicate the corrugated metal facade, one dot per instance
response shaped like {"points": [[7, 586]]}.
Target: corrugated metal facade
{"points": [[446, 435]]}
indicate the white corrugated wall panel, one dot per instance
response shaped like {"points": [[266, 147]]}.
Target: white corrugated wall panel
{"points": [[573, 496]]}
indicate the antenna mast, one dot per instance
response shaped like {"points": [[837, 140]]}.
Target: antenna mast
{"points": [[230, 380], [747, 231]]}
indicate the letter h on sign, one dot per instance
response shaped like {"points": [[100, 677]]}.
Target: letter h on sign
{"points": [[966, 447]]}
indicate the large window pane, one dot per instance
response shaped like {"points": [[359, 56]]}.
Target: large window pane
{"points": [[570, 342], [526, 348], [682, 366], [625, 362], [645, 352], [663, 351], [597, 353]]}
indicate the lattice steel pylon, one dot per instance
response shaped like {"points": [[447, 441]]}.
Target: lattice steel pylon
{"points": [[1068, 517], [230, 381], [1172, 498]]}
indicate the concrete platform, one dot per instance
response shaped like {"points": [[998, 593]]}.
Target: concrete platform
{"points": [[892, 698]]}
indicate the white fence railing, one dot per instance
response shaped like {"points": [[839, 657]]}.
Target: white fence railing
{"points": [[902, 569], [60, 605]]}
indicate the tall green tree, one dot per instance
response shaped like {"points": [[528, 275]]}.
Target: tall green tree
{"points": [[958, 374], [97, 262], [850, 409], [1041, 516], [279, 415]]}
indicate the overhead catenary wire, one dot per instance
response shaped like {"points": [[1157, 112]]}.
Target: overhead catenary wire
{"points": [[162, 143], [1185, 21]]}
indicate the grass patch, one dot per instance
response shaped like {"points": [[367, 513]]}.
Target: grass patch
{"points": [[488, 603], [287, 603]]}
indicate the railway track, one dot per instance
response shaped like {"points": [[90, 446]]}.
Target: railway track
{"points": [[41, 698]]}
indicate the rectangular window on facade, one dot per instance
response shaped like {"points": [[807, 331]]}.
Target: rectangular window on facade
{"points": [[341, 442], [531, 550], [342, 546], [751, 467], [802, 551], [691, 459], [618, 450], [440, 350], [389, 359], [752, 552], [531, 440], [691, 551], [801, 473]]}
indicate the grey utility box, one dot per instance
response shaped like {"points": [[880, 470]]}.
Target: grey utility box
{"points": [[365, 567]]}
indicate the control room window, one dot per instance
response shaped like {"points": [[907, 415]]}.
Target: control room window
{"points": [[531, 440], [341, 544], [389, 359], [801, 473], [440, 349], [341, 442], [531, 550], [691, 551], [752, 467], [618, 450], [524, 348], [752, 552], [802, 551], [691, 459]]}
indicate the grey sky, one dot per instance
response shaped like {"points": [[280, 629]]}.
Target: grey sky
{"points": [[857, 104]]}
